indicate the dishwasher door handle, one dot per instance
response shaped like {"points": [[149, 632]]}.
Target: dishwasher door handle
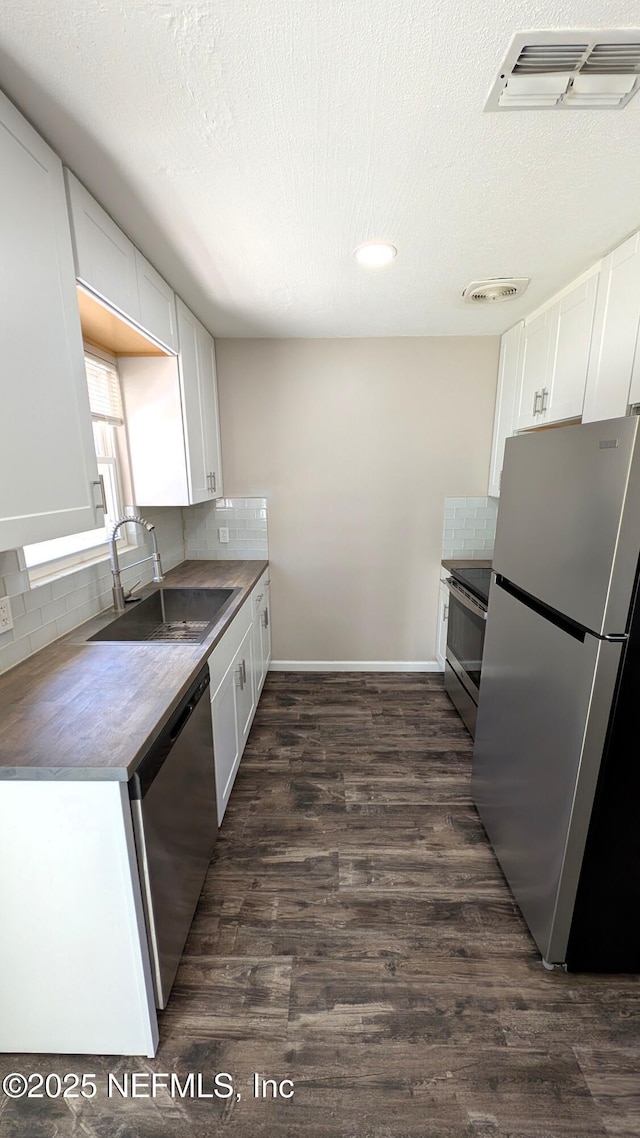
{"points": [[177, 727]]}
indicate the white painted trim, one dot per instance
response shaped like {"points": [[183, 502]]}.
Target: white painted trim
{"points": [[354, 666]]}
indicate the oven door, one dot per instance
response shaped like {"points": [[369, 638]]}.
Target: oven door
{"points": [[465, 637]]}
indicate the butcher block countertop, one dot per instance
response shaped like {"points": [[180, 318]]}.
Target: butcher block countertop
{"points": [[90, 711]]}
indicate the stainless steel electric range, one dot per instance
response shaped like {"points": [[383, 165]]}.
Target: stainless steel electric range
{"points": [[468, 600]]}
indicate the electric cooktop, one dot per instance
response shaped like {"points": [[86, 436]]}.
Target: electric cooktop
{"points": [[476, 579]]}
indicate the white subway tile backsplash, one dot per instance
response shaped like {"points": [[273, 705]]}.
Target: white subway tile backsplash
{"points": [[45, 612], [246, 520], [9, 562], [16, 583], [14, 653], [469, 527], [43, 636]]}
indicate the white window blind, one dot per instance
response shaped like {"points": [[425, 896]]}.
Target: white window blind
{"points": [[104, 390]]}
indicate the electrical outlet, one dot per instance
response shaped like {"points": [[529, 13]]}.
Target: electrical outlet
{"points": [[6, 619], [223, 534]]}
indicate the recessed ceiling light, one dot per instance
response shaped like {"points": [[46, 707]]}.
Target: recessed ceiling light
{"points": [[375, 253]]}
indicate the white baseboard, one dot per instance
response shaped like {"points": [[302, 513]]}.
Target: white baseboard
{"points": [[354, 666]]}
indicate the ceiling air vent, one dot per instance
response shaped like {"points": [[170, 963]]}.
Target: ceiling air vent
{"points": [[565, 70], [495, 289]]}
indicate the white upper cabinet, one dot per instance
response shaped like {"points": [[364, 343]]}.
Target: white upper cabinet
{"points": [[506, 395], [48, 471], [157, 304], [190, 382], [210, 418], [615, 335], [172, 420], [105, 258], [571, 344], [534, 369], [109, 264], [556, 344]]}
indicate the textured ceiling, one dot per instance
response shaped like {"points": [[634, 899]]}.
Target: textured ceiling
{"points": [[247, 146]]}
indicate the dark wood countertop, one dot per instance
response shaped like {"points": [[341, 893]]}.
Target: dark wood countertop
{"points": [[90, 711], [465, 562]]}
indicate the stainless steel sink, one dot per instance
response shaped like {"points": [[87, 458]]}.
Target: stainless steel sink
{"points": [[170, 616]]}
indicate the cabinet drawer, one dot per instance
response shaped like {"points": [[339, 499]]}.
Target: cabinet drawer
{"points": [[224, 652], [260, 593]]}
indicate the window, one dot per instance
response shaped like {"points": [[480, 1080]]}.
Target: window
{"points": [[105, 401]]}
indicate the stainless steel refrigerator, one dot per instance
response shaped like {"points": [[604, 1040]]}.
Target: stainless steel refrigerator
{"points": [[556, 764]]}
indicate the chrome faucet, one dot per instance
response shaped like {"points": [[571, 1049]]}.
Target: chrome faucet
{"points": [[119, 595]]}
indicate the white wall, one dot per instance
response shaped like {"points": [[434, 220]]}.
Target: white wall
{"points": [[355, 444]]}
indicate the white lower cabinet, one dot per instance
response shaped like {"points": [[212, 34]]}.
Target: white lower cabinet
{"points": [[261, 633], [443, 618], [226, 745], [245, 686], [237, 666]]}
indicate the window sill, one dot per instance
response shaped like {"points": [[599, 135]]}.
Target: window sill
{"points": [[53, 571]]}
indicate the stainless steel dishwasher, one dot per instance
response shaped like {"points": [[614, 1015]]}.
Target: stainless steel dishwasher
{"points": [[173, 803]]}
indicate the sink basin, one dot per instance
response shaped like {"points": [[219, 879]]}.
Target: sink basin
{"points": [[170, 616]]}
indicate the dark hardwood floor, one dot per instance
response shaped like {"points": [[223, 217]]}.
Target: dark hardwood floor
{"points": [[355, 935]]}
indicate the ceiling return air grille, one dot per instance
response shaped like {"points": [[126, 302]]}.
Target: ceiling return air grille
{"points": [[568, 70]]}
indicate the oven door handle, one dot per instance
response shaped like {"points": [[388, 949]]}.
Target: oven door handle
{"points": [[460, 595]]}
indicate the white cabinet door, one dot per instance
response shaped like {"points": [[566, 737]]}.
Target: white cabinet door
{"points": [[614, 348], [200, 407], [209, 410], [506, 397], [197, 471], [47, 458], [157, 304], [441, 631], [563, 393], [534, 369], [226, 742], [261, 633], [265, 635], [172, 419], [105, 257], [245, 694]]}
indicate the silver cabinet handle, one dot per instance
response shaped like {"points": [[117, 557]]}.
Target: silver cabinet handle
{"points": [[265, 618], [213, 481], [544, 394], [244, 672], [240, 678], [538, 396], [445, 611], [102, 504]]}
